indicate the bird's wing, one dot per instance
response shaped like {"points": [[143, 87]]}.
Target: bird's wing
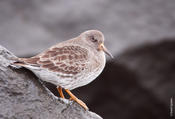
{"points": [[64, 60]]}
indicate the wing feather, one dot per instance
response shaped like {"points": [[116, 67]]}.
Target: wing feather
{"points": [[65, 60]]}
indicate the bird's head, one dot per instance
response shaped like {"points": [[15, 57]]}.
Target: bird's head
{"points": [[95, 39]]}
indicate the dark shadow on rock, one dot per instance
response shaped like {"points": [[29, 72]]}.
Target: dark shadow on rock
{"points": [[155, 67], [116, 93], [138, 84]]}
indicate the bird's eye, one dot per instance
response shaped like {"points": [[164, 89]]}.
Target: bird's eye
{"points": [[93, 39]]}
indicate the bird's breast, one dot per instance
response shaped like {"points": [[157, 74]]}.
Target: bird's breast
{"points": [[93, 70]]}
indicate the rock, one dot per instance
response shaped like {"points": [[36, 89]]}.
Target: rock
{"points": [[23, 96], [154, 65]]}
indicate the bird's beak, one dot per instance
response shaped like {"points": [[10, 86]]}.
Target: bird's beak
{"points": [[102, 47]]}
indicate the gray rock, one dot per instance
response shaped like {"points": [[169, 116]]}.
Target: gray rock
{"points": [[155, 66], [23, 96]]}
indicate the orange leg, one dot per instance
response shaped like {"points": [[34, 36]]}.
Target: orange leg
{"points": [[73, 97], [60, 91]]}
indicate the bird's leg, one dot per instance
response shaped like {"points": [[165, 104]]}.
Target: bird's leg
{"points": [[70, 98], [73, 97], [60, 91]]}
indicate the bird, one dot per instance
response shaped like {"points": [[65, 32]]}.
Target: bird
{"points": [[70, 64]]}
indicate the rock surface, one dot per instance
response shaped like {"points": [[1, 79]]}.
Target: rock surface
{"points": [[23, 96]]}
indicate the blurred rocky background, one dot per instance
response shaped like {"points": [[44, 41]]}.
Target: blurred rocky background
{"points": [[139, 82]]}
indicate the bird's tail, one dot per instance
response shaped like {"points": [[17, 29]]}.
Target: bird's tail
{"points": [[26, 61], [17, 62]]}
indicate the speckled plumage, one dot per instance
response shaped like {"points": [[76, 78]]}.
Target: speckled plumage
{"points": [[69, 64], [72, 63]]}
